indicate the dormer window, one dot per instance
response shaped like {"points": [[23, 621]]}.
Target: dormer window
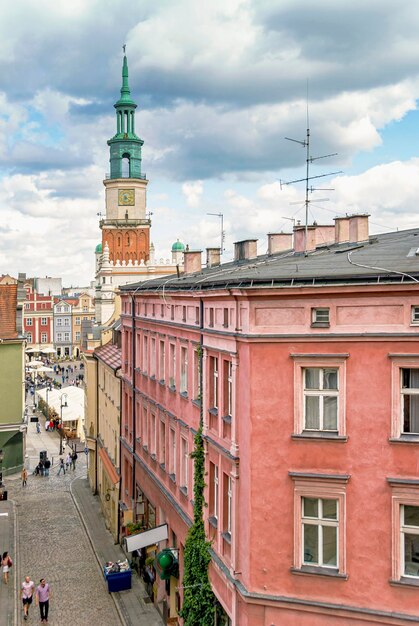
{"points": [[320, 317]]}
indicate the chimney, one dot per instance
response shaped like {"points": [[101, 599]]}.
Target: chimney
{"points": [[300, 244], [192, 261], [213, 257], [341, 229], [325, 235], [244, 250], [278, 242], [358, 227]]}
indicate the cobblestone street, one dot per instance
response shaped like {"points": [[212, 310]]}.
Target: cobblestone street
{"points": [[52, 543]]}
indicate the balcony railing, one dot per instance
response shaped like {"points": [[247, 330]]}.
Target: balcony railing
{"points": [[139, 176]]}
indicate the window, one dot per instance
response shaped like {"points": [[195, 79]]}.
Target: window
{"points": [[197, 315], [172, 453], [228, 388], [415, 314], [172, 312], [410, 400], [405, 530], [65, 309], [27, 305], [172, 365], [85, 318], [196, 378], [162, 457], [162, 310], [145, 354], [78, 335], [153, 310], [227, 503], [184, 314], [153, 434], [184, 370], [58, 309], [85, 309], [66, 321], [321, 395], [59, 336], [213, 382], [184, 459], [215, 487], [59, 321], [145, 427], [66, 336], [319, 531], [162, 360], [77, 321], [44, 321], [28, 321], [211, 317], [44, 337], [29, 337], [153, 356], [409, 540], [225, 322], [320, 317]]}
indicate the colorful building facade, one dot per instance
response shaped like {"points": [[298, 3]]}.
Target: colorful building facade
{"points": [[83, 310], [309, 358], [38, 317]]}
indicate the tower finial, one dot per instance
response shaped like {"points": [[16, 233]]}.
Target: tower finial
{"points": [[123, 47]]}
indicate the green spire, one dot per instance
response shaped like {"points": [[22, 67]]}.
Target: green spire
{"points": [[125, 98]]}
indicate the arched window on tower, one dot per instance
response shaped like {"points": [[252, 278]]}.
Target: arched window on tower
{"points": [[125, 166]]}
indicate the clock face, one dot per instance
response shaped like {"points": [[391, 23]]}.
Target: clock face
{"points": [[126, 197]]}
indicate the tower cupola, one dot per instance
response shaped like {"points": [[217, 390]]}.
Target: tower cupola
{"points": [[125, 145]]}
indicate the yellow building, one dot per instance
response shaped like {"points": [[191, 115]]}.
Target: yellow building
{"points": [[83, 311]]}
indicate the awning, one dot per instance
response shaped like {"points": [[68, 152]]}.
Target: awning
{"points": [[108, 465], [146, 538]]}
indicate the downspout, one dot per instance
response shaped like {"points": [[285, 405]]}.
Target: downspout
{"points": [[201, 359], [118, 529], [97, 418], [134, 430]]}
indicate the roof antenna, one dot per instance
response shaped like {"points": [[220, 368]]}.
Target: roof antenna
{"points": [[222, 233], [309, 159]]}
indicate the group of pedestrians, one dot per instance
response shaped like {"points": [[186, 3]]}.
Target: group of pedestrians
{"points": [[70, 461], [42, 595]]}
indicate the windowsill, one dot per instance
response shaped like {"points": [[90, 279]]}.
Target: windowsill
{"points": [[172, 478], [184, 491], [227, 537], [172, 388], [405, 438], [184, 395], [162, 465], [226, 419], [197, 403], [161, 382], [144, 373], [405, 582], [311, 570], [152, 377], [153, 456], [320, 435], [213, 411], [213, 521], [320, 325], [145, 448]]}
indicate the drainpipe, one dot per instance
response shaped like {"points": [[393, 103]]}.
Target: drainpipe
{"points": [[134, 430], [97, 419], [201, 358], [118, 529]]}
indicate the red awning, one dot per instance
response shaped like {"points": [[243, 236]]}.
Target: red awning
{"points": [[108, 465]]}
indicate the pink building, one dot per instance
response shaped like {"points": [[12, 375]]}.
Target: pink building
{"points": [[310, 403], [38, 317]]}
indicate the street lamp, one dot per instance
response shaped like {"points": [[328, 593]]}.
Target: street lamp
{"points": [[63, 395]]}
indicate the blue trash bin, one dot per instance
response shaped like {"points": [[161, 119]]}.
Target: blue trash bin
{"points": [[118, 581]]}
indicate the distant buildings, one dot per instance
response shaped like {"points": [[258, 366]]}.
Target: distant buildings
{"points": [[12, 376], [309, 358]]}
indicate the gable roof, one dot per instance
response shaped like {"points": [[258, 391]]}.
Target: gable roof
{"points": [[110, 354], [8, 306]]}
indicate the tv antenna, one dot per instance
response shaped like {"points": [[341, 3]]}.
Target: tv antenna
{"points": [[309, 160], [222, 231]]}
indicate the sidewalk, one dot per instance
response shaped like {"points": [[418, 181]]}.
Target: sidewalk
{"points": [[133, 605], [7, 542]]}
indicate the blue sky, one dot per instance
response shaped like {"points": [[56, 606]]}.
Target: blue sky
{"points": [[218, 88]]}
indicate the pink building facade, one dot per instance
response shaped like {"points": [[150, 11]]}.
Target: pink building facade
{"points": [[38, 318], [310, 404]]}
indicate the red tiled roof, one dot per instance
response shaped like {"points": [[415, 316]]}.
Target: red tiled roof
{"points": [[8, 304], [110, 354]]}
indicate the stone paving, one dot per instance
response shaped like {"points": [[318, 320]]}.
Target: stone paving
{"points": [[52, 543]]}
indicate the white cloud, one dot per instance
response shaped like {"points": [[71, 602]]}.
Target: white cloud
{"points": [[193, 192]]}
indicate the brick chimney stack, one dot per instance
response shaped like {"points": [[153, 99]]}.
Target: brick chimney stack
{"points": [[192, 261], [244, 250], [213, 257], [278, 242], [300, 244]]}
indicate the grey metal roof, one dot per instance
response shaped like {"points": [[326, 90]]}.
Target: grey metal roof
{"points": [[389, 257]]}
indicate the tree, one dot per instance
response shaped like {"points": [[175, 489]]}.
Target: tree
{"points": [[198, 599]]}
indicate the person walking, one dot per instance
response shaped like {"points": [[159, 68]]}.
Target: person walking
{"points": [[24, 475], [6, 563], [74, 459], [61, 467], [27, 590], [47, 465], [68, 461], [42, 597]]}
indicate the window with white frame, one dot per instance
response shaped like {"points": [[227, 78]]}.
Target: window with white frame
{"points": [[59, 336], [162, 443], [213, 382], [66, 336], [145, 353], [184, 370], [405, 530], [409, 540], [44, 337], [321, 398], [59, 321], [320, 523], [415, 314], [85, 308], [29, 337], [27, 305], [44, 321], [77, 321], [66, 321], [145, 426], [153, 434], [152, 356], [172, 365], [28, 321], [162, 360], [172, 452], [320, 316], [58, 309], [216, 492], [319, 531], [65, 309], [227, 503], [184, 463], [228, 388], [409, 400], [196, 376], [78, 334]]}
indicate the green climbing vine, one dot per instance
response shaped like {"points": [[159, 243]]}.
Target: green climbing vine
{"points": [[198, 599]]}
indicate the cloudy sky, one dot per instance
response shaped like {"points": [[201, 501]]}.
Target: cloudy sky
{"points": [[219, 86]]}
